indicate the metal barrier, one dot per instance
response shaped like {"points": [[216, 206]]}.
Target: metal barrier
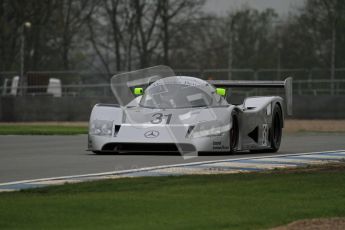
{"points": [[300, 87], [79, 83], [80, 90]]}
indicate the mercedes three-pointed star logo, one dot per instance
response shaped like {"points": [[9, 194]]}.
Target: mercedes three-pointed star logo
{"points": [[151, 134]]}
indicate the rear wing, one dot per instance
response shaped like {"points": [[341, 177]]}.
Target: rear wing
{"points": [[286, 84]]}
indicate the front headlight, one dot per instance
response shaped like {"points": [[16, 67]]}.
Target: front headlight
{"points": [[101, 128], [210, 128]]}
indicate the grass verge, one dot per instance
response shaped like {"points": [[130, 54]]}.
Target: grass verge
{"points": [[238, 201], [42, 130]]}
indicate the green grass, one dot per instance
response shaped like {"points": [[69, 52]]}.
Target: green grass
{"points": [[241, 201], [42, 130]]}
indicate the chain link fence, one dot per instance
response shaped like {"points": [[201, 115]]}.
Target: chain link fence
{"points": [[87, 84]]}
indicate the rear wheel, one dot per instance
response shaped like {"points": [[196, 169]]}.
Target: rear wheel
{"points": [[275, 133], [234, 134]]}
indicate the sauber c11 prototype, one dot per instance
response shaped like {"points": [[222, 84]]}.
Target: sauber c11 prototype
{"points": [[158, 111]]}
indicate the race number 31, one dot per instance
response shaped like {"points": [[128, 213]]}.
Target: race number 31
{"points": [[157, 118]]}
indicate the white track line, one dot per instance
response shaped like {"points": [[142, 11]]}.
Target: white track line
{"points": [[159, 167]]}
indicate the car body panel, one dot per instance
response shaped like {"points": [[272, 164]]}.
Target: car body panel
{"points": [[155, 118]]}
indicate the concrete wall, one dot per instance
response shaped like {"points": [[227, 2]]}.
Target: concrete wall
{"points": [[45, 108]]}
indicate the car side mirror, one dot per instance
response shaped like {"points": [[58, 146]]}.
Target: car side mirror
{"points": [[138, 91]]}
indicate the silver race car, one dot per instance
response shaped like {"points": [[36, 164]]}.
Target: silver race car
{"points": [[158, 111]]}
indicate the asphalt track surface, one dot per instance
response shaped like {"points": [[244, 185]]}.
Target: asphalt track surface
{"points": [[34, 157]]}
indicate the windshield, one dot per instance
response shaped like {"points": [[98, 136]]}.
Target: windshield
{"points": [[172, 96], [123, 84]]}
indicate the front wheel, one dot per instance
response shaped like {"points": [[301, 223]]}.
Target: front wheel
{"points": [[234, 134], [275, 133]]}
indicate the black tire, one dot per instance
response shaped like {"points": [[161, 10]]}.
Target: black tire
{"points": [[234, 134], [104, 153], [275, 132]]}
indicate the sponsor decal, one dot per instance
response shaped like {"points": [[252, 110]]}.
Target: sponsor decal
{"points": [[217, 145], [217, 142]]}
